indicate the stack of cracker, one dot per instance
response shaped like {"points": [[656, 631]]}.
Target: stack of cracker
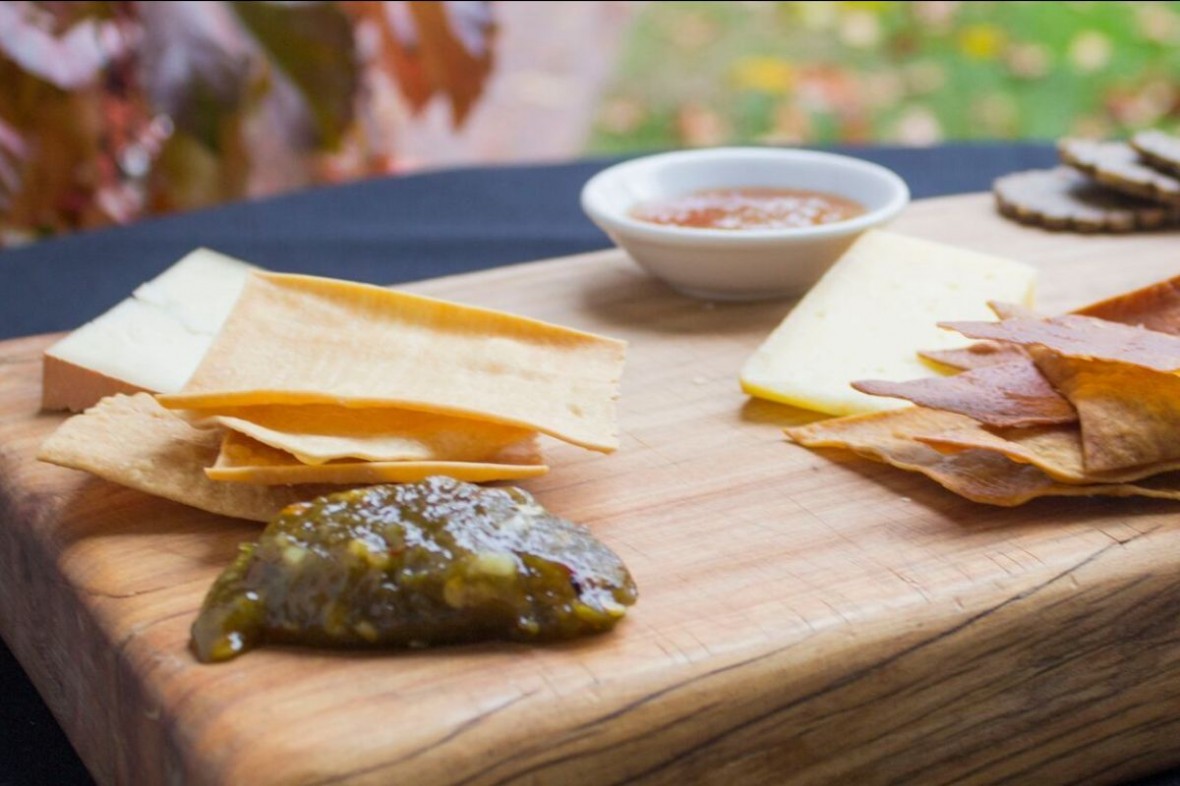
{"points": [[1103, 187], [314, 382], [1083, 404]]}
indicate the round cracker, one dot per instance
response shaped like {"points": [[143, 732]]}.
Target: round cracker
{"points": [[1160, 150], [1062, 198], [1117, 165]]}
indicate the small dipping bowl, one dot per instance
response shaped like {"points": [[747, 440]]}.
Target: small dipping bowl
{"points": [[739, 264]]}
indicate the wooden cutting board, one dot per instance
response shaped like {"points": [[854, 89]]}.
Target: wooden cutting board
{"points": [[803, 618]]}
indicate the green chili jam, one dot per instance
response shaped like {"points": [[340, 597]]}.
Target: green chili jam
{"points": [[412, 565]]}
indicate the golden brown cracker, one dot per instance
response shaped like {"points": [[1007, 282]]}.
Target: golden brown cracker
{"points": [[305, 340], [1129, 415], [977, 355], [1056, 450], [1154, 307], [1080, 336], [1006, 394], [133, 441], [317, 433], [978, 475], [243, 460]]}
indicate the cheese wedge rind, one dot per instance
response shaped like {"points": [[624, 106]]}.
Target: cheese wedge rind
{"points": [[305, 340], [152, 341], [871, 313]]}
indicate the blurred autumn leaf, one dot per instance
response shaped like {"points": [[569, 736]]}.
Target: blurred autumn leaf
{"points": [[313, 46], [109, 110]]}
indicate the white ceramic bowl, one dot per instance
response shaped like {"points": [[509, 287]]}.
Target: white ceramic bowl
{"points": [[745, 264]]}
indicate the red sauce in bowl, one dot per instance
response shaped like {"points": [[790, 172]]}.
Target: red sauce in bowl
{"points": [[749, 208]]}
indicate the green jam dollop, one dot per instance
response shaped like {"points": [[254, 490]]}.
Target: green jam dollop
{"points": [[414, 565]]}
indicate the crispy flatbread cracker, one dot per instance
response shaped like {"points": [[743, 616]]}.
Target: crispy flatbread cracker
{"points": [[133, 441], [977, 355], [1056, 450], [1006, 394], [1155, 307], [1130, 415], [982, 353], [304, 340], [978, 475], [1064, 199], [1118, 165], [318, 433], [1083, 337], [1010, 310], [243, 460]]}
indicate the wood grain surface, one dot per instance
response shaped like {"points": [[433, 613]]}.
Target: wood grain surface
{"points": [[803, 618]]}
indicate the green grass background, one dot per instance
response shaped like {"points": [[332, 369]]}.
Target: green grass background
{"points": [[700, 73]]}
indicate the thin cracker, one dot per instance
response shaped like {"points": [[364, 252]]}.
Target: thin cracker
{"points": [[1154, 307], [1081, 336], [133, 441], [318, 433], [1007, 394], [977, 355], [978, 475], [1130, 415], [1056, 450], [304, 340], [243, 460]]}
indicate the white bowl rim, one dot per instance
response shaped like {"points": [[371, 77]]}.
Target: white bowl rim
{"points": [[620, 221]]}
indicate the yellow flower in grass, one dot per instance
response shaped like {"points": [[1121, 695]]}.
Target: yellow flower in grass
{"points": [[764, 75], [981, 41], [878, 6], [1090, 51]]}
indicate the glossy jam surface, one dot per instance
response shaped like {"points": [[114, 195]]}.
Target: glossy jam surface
{"points": [[749, 208], [412, 565]]}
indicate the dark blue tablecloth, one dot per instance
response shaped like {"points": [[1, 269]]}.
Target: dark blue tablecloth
{"points": [[380, 231]]}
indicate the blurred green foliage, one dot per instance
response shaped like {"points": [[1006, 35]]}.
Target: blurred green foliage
{"points": [[702, 73]]}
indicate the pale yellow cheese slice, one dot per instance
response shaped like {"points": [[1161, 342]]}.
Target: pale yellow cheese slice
{"points": [[869, 316], [317, 433], [133, 441], [243, 460], [304, 340], [152, 341]]}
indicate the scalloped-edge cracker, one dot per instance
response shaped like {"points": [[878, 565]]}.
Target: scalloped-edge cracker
{"points": [[1064, 199], [295, 339], [1118, 165], [1159, 149], [318, 433], [242, 460], [133, 441], [979, 475], [1006, 394], [1080, 336]]}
